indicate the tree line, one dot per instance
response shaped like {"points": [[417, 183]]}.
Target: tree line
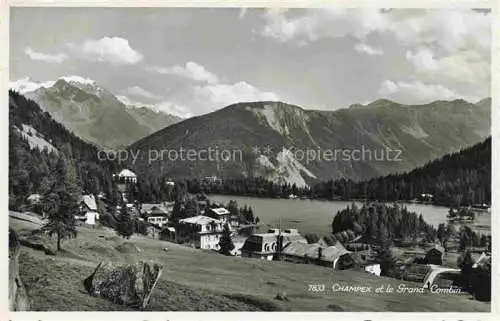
{"points": [[459, 179], [383, 224], [455, 180]]}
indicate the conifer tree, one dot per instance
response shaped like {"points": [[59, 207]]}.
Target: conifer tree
{"points": [[225, 243], [60, 203], [125, 224]]}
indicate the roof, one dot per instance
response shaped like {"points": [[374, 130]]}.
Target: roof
{"points": [[482, 259], [154, 209], [329, 254], [89, 201], [263, 237], [127, 173], [220, 211], [256, 242], [436, 247], [333, 252], [155, 215], [294, 238], [302, 250], [199, 220], [149, 206]]}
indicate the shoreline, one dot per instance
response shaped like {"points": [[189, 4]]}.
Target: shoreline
{"points": [[322, 199]]}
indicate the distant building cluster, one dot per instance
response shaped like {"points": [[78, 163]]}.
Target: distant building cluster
{"points": [[211, 180]]}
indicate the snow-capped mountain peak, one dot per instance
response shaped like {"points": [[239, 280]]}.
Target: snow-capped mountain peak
{"points": [[78, 80], [87, 85], [26, 85]]}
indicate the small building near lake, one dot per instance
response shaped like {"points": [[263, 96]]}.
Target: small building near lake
{"points": [[426, 197], [158, 219], [336, 256], [156, 214], [200, 231], [265, 245], [435, 255], [261, 246], [373, 268], [211, 180], [223, 215]]}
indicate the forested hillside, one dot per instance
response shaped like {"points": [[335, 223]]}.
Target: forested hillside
{"points": [[458, 179], [36, 167]]}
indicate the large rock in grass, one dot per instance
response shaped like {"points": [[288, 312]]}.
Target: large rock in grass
{"points": [[18, 297], [127, 284]]}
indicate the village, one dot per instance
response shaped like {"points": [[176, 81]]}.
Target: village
{"points": [[429, 264]]}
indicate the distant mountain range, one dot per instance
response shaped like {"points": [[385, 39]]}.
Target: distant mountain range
{"points": [[269, 139], [273, 137], [94, 113]]}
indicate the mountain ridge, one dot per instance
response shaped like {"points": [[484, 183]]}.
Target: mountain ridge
{"points": [[422, 132], [94, 113]]}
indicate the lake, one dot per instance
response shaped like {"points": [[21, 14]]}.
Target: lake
{"points": [[314, 216]]}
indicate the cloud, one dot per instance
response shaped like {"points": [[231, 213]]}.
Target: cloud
{"points": [[209, 94], [464, 67], [364, 48], [416, 91], [446, 28], [221, 95], [114, 50], [26, 85], [140, 92], [449, 50], [175, 109], [422, 59], [191, 71], [163, 106], [53, 59], [313, 24], [128, 102]]}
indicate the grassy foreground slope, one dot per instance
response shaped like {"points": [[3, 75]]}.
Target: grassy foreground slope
{"points": [[194, 280]]}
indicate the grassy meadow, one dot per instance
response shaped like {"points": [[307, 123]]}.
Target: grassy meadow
{"points": [[195, 280]]}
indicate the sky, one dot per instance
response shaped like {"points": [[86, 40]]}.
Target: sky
{"points": [[191, 61]]}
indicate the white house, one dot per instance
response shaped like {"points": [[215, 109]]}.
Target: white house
{"points": [[88, 210], [158, 219], [34, 199], [200, 231], [373, 269], [211, 180], [223, 215], [126, 175]]}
